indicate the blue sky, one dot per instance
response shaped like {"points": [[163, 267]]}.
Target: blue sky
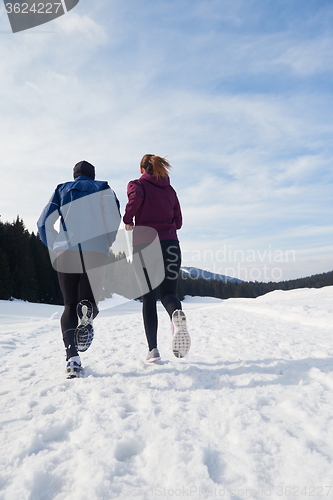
{"points": [[238, 96]]}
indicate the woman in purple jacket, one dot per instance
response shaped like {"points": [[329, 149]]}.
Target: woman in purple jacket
{"points": [[153, 203]]}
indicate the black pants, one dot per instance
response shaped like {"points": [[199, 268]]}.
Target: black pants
{"points": [[167, 291], [74, 287]]}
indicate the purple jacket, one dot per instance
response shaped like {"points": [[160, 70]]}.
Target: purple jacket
{"points": [[154, 203]]}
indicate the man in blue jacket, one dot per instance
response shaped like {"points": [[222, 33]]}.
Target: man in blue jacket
{"points": [[89, 220]]}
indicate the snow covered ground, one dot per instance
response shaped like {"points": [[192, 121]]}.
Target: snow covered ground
{"points": [[248, 414]]}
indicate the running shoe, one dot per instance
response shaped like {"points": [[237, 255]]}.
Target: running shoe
{"points": [[83, 337], [153, 355], [84, 311], [181, 341], [84, 333], [74, 367]]}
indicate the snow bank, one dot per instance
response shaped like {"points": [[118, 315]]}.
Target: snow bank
{"points": [[305, 306]]}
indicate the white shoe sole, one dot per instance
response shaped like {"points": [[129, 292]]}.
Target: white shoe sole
{"points": [[181, 341], [153, 360], [84, 332], [84, 311], [74, 372], [83, 337]]}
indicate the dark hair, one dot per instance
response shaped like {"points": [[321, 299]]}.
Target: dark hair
{"points": [[159, 166]]}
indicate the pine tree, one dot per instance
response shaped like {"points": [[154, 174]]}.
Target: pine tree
{"points": [[19, 258], [5, 279], [48, 290]]}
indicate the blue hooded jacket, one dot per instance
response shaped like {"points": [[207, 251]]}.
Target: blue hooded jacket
{"points": [[89, 212]]}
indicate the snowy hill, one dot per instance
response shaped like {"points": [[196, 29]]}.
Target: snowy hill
{"points": [[197, 273], [248, 414]]}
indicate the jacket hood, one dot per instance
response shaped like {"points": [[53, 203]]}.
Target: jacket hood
{"points": [[150, 177], [84, 168]]}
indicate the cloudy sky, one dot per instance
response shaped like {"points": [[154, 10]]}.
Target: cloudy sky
{"points": [[237, 94]]}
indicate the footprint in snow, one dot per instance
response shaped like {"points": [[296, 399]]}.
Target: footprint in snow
{"points": [[126, 411], [48, 410], [127, 448], [214, 464]]}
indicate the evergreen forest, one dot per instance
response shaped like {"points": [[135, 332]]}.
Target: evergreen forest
{"points": [[26, 273]]}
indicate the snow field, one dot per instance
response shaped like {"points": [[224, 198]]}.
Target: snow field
{"points": [[248, 414]]}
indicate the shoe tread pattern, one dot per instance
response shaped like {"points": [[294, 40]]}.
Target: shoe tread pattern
{"points": [[74, 371], [84, 311], [83, 337], [84, 333], [181, 341]]}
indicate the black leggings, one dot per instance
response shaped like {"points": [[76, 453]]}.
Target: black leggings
{"points": [[167, 291], [74, 287]]}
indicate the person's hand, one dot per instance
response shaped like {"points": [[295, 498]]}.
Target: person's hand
{"points": [[129, 227]]}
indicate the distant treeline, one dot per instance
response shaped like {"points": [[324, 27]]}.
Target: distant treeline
{"points": [[26, 273], [222, 290]]}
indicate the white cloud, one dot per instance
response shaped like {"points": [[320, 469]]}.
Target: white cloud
{"points": [[308, 57], [73, 24], [250, 165]]}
